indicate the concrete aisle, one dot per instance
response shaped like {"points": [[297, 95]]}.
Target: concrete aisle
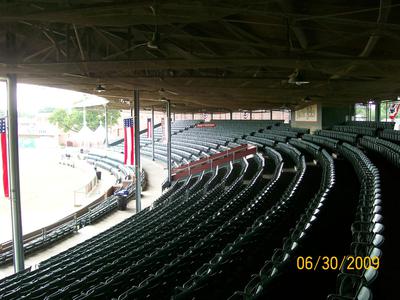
{"points": [[155, 175]]}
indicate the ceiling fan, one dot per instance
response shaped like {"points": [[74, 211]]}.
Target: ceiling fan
{"points": [[297, 78]]}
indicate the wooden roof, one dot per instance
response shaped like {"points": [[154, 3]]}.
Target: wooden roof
{"points": [[217, 55]]}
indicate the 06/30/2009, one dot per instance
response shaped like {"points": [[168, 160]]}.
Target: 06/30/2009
{"points": [[326, 263]]}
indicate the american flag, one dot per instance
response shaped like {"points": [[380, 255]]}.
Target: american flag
{"points": [[394, 110], [3, 135], [149, 128], [129, 142]]}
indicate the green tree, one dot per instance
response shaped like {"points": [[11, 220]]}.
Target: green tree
{"points": [[73, 120]]}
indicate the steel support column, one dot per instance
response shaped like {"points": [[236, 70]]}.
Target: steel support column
{"points": [[137, 150], [351, 112], [230, 115], [15, 195], [169, 140], [152, 133], [377, 111]]}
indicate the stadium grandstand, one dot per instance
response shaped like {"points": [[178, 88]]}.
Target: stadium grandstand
{"points": [[275, 149]]}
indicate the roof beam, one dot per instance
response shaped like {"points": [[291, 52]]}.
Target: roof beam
{"points": [[287, 7], [327, 65], [383, 15]]}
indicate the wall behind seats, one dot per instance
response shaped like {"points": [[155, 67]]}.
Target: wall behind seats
{"points": [[334, 115], [326, 117], [313, 125]]}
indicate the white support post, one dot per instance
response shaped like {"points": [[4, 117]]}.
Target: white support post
{"points": [[169, 140], [137, 150], [13, 163]]}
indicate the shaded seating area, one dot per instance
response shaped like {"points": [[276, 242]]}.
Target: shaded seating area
{"points": [[235, 231]]}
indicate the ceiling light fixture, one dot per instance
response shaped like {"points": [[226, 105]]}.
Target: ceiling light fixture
{"points": [[100, 89], [153, 43], [163, 99]]}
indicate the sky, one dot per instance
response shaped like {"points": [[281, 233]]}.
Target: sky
{"points": [[32, 98]]}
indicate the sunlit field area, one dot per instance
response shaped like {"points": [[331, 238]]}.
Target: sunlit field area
{"points": [[47, 190]]}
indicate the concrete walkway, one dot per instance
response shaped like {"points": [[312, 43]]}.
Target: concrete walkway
{"points": [[155, 175]]}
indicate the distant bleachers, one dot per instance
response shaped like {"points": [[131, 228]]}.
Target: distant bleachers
{"points": [[356, 130], [338, 135], [326, 142], [371, 124], [271, 136], [391, 135]]}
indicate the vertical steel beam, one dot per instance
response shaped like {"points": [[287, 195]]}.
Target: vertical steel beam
{"points": [[152, 133], [377, 111], [230, 115], [15, 195], [351, 112], [169, 140], [137, 150]]}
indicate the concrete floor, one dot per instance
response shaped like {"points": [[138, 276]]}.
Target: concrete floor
{"points": [[155, 175]]}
